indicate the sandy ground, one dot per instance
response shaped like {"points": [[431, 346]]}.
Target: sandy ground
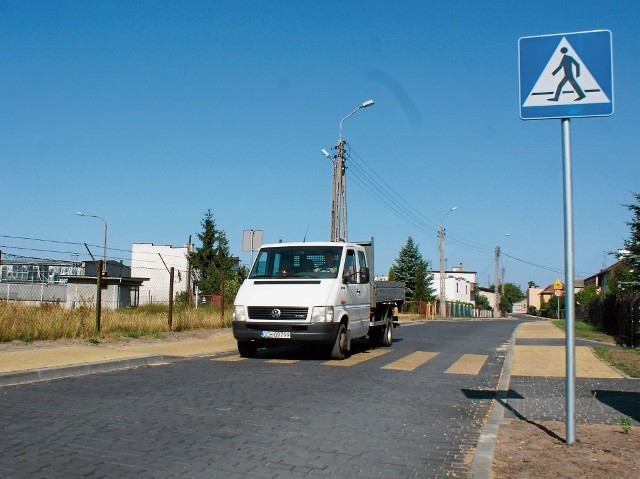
{"points": [[538, 451]]}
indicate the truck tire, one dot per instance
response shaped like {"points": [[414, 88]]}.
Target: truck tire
{"points": [[247, 349], [387, 333], [339, 350], [375, 336]]}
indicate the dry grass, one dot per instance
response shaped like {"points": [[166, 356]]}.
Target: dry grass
{"points": [[50, 321]]}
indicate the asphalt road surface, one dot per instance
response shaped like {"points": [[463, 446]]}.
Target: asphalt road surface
{"points": [[413, 410]]}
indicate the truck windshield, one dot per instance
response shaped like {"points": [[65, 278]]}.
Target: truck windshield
{"points": [[297, 262]]}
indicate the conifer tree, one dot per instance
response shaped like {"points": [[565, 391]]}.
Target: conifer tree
{"points": [[211, 261], [412, 269], [631, 256]]}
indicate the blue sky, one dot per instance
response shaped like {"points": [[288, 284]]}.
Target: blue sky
{"points": [[148, 113]]}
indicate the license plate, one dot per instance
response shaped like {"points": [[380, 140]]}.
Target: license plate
{"points": [[276, 334]]}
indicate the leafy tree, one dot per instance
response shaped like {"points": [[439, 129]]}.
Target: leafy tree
{"points": [[553, 307], [587, 295], [512, 294], [212, 261], [631, 256], [412, 269], [482, 302], [392, 274]]}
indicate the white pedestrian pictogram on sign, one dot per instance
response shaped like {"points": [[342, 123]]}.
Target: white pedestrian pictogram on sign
{"points": [[565, 80]]}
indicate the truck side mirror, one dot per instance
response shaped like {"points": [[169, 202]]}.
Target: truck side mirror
{"points": [[364, 275]]}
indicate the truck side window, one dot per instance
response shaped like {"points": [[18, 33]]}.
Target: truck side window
{"points": [[363, 264], [350, 266]]}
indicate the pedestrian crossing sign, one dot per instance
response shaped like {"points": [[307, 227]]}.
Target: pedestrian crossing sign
{"points": [[567, 75]]}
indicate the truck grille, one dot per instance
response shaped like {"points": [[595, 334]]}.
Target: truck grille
{"points": [[278, 313]]}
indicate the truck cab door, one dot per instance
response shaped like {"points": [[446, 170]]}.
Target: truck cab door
{"points": [[365, 288], [357, 298]]}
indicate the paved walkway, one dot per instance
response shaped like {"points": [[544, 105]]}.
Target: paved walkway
{"points": [[533, 388], [33, 364]]}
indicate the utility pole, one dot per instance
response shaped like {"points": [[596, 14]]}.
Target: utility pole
{"points": [[496, 309], [339, 197], [443, 297], [189, 272], [339, 187], [443, 265]]}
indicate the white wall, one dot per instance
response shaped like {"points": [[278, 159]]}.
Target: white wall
{"points": [[146, 263], [458, 285]]}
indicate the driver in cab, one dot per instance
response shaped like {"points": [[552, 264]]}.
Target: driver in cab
{"points": [[329, 266]]}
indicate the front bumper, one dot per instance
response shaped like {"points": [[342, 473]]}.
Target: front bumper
{"points": [[314, 333]]}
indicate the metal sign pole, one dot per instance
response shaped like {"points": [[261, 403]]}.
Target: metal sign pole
{"points": [[569, 283]]}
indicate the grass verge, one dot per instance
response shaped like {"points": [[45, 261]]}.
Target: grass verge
{"points": [[19, 322], [626, 360]]}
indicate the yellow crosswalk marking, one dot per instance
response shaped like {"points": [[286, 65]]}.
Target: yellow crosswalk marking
{"points": [[283, 361], [468, 364], [411, 361], [358, 358], [228, 359]]}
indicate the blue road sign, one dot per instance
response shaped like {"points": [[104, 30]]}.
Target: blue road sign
{"points": [[567, 75]]}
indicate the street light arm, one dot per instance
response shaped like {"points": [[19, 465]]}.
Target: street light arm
{"points": [[451, 210], [104, 266], [365, 104]]}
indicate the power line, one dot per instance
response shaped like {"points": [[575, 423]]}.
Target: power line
{"points": [[374, 185]]}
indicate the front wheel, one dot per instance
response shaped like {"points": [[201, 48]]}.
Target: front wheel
{"points": [[341, 345], [375, 336], [247, 349]]}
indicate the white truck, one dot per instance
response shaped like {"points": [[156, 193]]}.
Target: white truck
{"points": [[318, 293]]}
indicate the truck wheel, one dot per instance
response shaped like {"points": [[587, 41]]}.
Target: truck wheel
{"points": [[375, 336], [387, 333], [339, 350], [247, 349]]}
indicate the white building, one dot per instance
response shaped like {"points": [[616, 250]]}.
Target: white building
{"points": [[459, 285], [154, 262]]}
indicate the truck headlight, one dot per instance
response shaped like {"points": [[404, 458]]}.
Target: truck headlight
{"points": [[239, 313], [322, 314]]}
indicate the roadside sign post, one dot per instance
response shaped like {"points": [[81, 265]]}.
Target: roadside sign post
{"points": [[567, 76], [251, 241]]}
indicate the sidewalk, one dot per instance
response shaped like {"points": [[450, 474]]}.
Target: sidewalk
{"points": [[533, 388], [35, 364]]}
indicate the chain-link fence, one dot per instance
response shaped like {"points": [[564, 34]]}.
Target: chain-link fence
{"points": [[85, 307]]}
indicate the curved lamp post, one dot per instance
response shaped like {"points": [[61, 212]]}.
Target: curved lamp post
{"points": [[104, 266], [338, 196]]}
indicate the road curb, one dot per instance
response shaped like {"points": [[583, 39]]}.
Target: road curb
{"points": [[482, 463], [58, 372]]}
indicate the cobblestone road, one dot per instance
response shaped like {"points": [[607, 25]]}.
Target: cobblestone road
{"points": [[285, 414]]}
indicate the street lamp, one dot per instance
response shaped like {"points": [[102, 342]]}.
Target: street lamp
{"points": [[104, 266], [339, 195], [365, 104], [443, 297]]}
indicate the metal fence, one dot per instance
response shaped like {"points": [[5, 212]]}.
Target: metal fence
{"points": [[33, 293], [620, 318], [103, 304], [454, 309]]}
